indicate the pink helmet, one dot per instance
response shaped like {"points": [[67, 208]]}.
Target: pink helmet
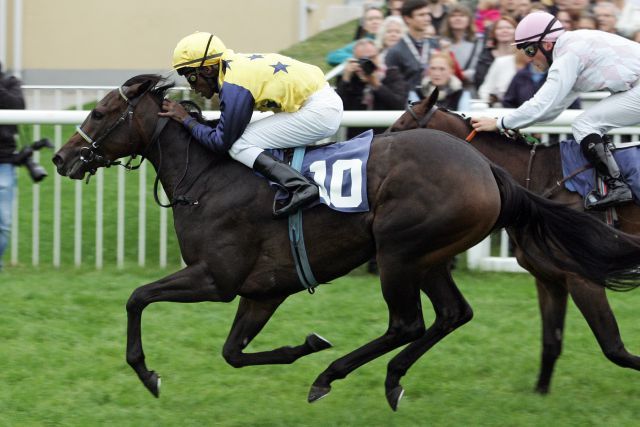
{"points": [[537, 27]]}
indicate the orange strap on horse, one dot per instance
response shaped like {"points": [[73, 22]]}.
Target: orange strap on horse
{"points": [[471, 135]]}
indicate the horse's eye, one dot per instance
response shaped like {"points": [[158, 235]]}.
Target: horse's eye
{"points": [[96, 115]]}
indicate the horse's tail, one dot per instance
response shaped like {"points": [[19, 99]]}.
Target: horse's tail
{"points": [[571, 240]]}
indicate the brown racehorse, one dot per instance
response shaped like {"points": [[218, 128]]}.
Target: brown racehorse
{"points": [[541, 172], [422, 213]]}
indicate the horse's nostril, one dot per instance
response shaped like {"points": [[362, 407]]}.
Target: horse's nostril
{"points": [[57, 160]]}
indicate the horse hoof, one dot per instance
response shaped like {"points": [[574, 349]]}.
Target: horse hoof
{"points": [[152, 383], [542, 390], [317, 393], [317, 343], [394, 396]]}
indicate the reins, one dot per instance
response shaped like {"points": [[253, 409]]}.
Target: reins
{"points": [[532, 153], [180, 199], [93, 153]]}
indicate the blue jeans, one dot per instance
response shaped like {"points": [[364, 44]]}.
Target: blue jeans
{"points": [[7, 187]]}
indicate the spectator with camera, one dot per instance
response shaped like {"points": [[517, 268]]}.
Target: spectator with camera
{"points": [[366, 84], [11, 98]]}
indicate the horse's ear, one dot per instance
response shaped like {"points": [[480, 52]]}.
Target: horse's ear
{"points": [[433, 98], [138, 89]]}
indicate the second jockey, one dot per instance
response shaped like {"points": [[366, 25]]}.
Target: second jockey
{"points": [[579, 61]]}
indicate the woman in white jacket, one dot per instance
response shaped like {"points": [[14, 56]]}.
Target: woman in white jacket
{"points": [[579, 61], [498, 78]]}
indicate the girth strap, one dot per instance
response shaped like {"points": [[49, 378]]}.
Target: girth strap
{"points": [[296, 237]]}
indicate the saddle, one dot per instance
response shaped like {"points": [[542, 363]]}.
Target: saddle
{"points": [[339, 169], [627, 156]]}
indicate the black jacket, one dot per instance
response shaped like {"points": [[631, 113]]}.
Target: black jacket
{"points": [[10, 99], [482, 66]]}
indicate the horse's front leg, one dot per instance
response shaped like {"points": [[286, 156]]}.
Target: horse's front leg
{"points": [[192, 284], [251, 317]]}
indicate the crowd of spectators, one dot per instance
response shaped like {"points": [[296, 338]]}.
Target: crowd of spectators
{"points": [[464, 48]]}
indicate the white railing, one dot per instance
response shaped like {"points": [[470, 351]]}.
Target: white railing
{"points": [[53, 221]]}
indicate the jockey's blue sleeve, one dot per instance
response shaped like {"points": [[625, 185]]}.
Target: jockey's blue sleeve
{"points": [[236, 106]]}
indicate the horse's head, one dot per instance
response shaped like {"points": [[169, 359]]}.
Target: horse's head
{"points": [[120, 125], [426, 114], [417, 114]]}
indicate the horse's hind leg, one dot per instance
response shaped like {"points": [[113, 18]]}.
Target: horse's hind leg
{"points": [[592, 302], [452, 311], [192, 284], [250, 319], [405, 325], [552, 299]]}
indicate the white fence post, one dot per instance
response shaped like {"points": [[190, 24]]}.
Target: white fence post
{"points": [[142, 214], [120, 219]]}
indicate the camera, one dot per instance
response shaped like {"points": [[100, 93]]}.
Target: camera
{"points": [[25, 158], [367, 66], [36, 171]]}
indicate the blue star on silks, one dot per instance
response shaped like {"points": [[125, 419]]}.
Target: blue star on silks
{"points": [[279, 67], [226, 64], [255, 56]]}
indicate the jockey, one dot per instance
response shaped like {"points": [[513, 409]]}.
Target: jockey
{"points": [[307, 108], [579, 61]]}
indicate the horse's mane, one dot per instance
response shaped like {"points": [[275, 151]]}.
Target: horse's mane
{"points": [[158, 91], [160, 84]]}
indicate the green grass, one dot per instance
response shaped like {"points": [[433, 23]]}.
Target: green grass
{"points": [[315, 49], [63, 341]]}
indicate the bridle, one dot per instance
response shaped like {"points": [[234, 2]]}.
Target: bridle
{"points": [[93, 153], [422, 122]]}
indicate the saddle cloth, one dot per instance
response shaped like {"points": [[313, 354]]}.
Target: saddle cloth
{"points": [[572, 159], [340, 170]]}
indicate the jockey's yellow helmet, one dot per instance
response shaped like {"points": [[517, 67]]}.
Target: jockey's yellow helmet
{"points": [[197, 50]]}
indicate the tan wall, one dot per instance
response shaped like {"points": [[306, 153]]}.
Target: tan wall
{"points": [[135, 34]]}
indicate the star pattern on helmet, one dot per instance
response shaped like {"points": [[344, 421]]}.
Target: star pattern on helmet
{"points": [[280, 67], [226, 64], [255, 56]]}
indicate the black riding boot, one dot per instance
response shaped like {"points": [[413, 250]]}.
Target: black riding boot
{"points": [[600, 156], [301, 190]]}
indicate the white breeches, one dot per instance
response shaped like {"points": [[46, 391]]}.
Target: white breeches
{"points": [[319, 117], [618, 110]]}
